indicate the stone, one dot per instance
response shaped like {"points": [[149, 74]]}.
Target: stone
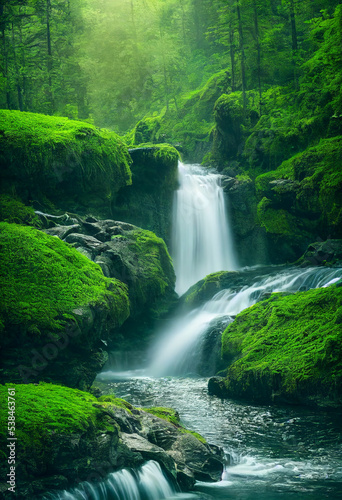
{"points": [[62, 231]]}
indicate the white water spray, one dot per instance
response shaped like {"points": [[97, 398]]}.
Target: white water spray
{"points": [[201, 241], [179, 349], [147, 483]]}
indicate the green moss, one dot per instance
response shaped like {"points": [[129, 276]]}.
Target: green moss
{"points": [[172, 416], [168, 414], [164, 154], [13, 210], [49, 409], [296, 339], [188, 121], [155, 261], [276, 221], [118, 402], [319, 175], [146, 130], [43, 279], [40, 152]]}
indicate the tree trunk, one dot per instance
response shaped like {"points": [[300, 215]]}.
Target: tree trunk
{"points": [[294, 41], [293, 26], [17, 75], [243, 58], [232, 54], [256, 27], [49, 51], [5, 57]]}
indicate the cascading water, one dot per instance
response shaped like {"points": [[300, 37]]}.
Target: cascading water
{"points": [[146, 483], [179, 349], [275, 453], [201, 242]]}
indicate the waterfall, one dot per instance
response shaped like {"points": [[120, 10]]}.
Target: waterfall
{"points": [[146, 483], [201, 240], [179, 350]]}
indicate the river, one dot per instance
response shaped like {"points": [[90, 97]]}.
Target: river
{"points": [[272, 452]]}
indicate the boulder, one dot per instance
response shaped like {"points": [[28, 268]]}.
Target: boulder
{"points": [[81, 438]]}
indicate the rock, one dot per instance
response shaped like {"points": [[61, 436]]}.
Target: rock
{"points": [[62, 231], [302, 366], [84, 241], [149, 451], [104, 437], [148, 202], [320, 253], [56, 320], [227, 182], [205, 289]]}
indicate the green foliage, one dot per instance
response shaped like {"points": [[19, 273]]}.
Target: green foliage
{"points": [[13, 210], [275, 221], [319, 176], [297, 337], [43, 279]]}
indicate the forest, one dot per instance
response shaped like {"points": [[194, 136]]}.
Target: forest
{"points": [[171, 249]]}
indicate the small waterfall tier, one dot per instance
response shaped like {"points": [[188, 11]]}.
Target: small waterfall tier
{"points": [[201, 240], [146, 483], [180, 349]]}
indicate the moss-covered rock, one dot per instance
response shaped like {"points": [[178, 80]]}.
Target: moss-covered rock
{"points": [[187, 123], [148, 202], [205, 289], [69, 163], [287, 349], [14, 210], [302, 200], [134, 256], [322, 253], [56, 306], [65, 436]]}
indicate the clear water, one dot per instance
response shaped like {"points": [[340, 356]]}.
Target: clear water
{"points": [[273, 453], [202, 242]]}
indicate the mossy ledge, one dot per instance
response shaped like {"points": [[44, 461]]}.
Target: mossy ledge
{"points": [[66, 436], [286, 349], [52, 296], [54, 160], [147, 202], [302, 199]]}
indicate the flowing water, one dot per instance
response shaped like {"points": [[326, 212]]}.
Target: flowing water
{"points": [[201, 243], [272, 452], [179, 348]]}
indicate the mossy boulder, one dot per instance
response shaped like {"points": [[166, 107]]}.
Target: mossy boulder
{"points": [[205, 289], [286, 349], [134, 256], [65, 436], [322, 253], [302, 200], [147, 202], [14, 210], [56, 308], [62, 162]]}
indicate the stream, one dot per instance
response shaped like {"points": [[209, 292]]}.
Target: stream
{"points": [[272, 452]]}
